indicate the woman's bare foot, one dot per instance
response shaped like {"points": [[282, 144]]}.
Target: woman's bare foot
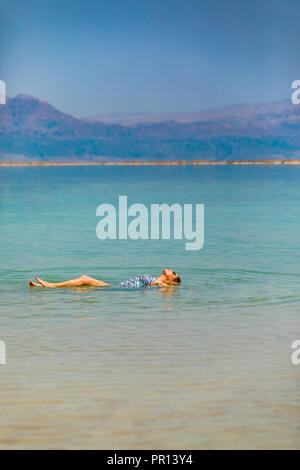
{"points": [[34, 284], [44, 283]]}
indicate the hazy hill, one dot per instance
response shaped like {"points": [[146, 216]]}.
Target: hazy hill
{"points": [[237, 111], [31, 129]]}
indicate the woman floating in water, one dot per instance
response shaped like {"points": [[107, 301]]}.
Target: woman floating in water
{"points": [[167, 278]]}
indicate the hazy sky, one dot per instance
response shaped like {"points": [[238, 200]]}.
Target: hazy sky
{"points": [[94, 56]]}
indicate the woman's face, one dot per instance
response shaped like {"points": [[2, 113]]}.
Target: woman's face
{"points": [[170, 274]]}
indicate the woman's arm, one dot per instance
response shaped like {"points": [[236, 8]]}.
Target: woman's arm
{"points": [[159, 283]]}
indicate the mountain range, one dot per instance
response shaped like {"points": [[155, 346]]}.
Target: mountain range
{"points": [[34, 130]]}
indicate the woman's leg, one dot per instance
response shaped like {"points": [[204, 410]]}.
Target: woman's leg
{"points": [[79, 281]]}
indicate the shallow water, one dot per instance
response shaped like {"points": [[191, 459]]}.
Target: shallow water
{"points": [[206, 365]]}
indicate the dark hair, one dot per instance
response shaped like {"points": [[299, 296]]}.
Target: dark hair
{"points": [[177, 279]]}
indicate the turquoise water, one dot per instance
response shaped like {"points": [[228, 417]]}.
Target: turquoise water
{"points": [[206, 365]]}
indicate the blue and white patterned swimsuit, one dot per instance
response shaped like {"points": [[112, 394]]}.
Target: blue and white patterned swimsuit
{"points": [[144, 280]]}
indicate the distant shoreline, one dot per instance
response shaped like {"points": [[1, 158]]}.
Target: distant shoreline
{"points": [[154, 163]]}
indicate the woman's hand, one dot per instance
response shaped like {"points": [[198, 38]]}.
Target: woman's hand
{"points": [[160, 283]]}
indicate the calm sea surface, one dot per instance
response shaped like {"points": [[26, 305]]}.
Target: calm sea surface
{"points": [[206, 365]]}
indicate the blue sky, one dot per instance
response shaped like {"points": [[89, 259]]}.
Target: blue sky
{"points": [[91, 57]]}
